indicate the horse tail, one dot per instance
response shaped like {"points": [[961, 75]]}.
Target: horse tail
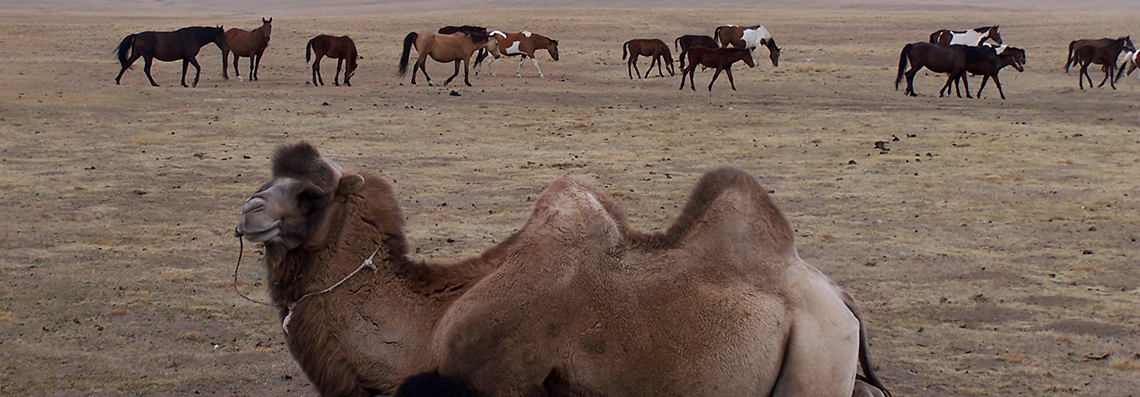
{"points": [[677, 44], [624, 50], [409, 40], [902, 64], [125, 47], [1069, 59], [309, 49], [716, 36]]}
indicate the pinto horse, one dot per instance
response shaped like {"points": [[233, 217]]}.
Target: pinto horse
{"points": [[181, 44], [523, 44], [647, 47], [719, 58], [1130, 60], [341, 48], [972, 37], [249, 44], [1106, 55], [455, 47], [939, 59], [684, 43], [750, 37]]}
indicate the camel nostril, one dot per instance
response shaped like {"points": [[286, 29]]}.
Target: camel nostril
{"points": [[254, 204]]}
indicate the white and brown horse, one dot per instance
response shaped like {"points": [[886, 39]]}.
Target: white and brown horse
{"points": [[522, 44], [972, 37], [750, 37], [455, 47]]}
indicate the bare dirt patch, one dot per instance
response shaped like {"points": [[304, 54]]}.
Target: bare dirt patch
{"points": [[992, 247]]}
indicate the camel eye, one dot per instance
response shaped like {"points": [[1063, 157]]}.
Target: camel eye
{"points": [[311, 199]]}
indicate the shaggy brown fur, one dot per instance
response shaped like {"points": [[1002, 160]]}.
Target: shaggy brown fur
{"points": [[575, 302]]}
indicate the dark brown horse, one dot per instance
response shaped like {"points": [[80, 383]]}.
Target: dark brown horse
{"points": [[249, 44], [938, 58], [169, 47], [987, 61], [684, 43], [1105, 56], [455, 47], [523, 44], [647, 47], [1075, 44], [750, 37], [719, 58], [973, 37], [341, 48]]}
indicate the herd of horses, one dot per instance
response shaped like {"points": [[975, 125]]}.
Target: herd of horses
{"points": [[957, 53]]}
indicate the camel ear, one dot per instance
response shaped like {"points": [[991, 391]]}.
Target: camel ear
{"points": [[349, 184]]}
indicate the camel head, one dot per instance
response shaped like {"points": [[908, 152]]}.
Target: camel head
{"points": [[291, 210]]}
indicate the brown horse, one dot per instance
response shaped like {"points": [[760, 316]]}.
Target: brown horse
{"points": [[455, 47], [341, 48], [647, 47], [523, 44], [750, 37], [249, 44], [1106, 56], [470, 30], [719, 58], [937, 58], [684, 43], [1075, 44], [170, 46], [973, 37], [987, 61]]}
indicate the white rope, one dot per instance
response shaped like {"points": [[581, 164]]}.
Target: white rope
{"points": [[367, 263]]}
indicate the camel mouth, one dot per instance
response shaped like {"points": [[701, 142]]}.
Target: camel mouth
{"points": [[260, 236]]}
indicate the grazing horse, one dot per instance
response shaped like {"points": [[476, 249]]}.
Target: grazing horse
{"points": [[647, 47], [455, 47], [937, 58], [972, 37], [523, 44], [749, 37], [342, 48], [991, 60], [169, 47], [1106, 56], [684, 43], [719, 58], [1075, 44], [249, 44]]}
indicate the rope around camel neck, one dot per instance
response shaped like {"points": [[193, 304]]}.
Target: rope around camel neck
{"points": [[289, 316]]}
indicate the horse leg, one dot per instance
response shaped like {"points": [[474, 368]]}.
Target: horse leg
{"points": [[660, 63], [1082, 75], [1106, 76], [535, 61], [134, 57], [466, 71], [197, 71], [147, 61], [714, 78], [336, 77], [983, 86], [237, 74], [253, 69], [652, 61], [728, 72], [423, 68], [518, 70], [998, 84], [185, 64], [910, 81], [317, 71], [448, 81], [965, 82], [629, 68]]}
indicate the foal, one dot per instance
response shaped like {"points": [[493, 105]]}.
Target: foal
{"points": [[719, 58], [1106, 56], [647, 47], [684, 43]]}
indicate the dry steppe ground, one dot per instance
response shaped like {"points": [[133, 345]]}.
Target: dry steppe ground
{"points": [[993, 247]]}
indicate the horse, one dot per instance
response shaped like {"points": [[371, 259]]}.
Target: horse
{"points": [[455, 47], [1131, 60], [938, 58], [972, 37], [991, 60], [522, 44], [342, 48], [1075, 44], [469, 29], [169, 47], [750, 37], [647, 47], [249, 44], [1106, 56], [719, 58], [684, 43]]}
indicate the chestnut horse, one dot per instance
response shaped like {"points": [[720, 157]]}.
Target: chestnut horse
{"points": [[647, 47], [469, 29], [1106, 56], [937, 58], [973, 37], [341, 48], [750, 37], [455, 47], [249, 44], [684, 43], [719, 58], [169, 47], [523, 44]]}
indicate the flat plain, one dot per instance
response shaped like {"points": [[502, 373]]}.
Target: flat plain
{"points": [[992, 247]]}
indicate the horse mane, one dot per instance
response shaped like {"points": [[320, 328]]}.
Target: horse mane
{"points": [[983, 29]]}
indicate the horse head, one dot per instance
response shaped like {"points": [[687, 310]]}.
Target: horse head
{"points": [[553, 48], [993, 34], [492, 46], [773, 50], [1128, 44], [266, 28]]}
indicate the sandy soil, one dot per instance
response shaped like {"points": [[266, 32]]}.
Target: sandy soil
{"points": [[993, 247]]}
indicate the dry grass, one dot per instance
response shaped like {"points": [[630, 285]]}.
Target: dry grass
{"points": [[120, 197]]}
